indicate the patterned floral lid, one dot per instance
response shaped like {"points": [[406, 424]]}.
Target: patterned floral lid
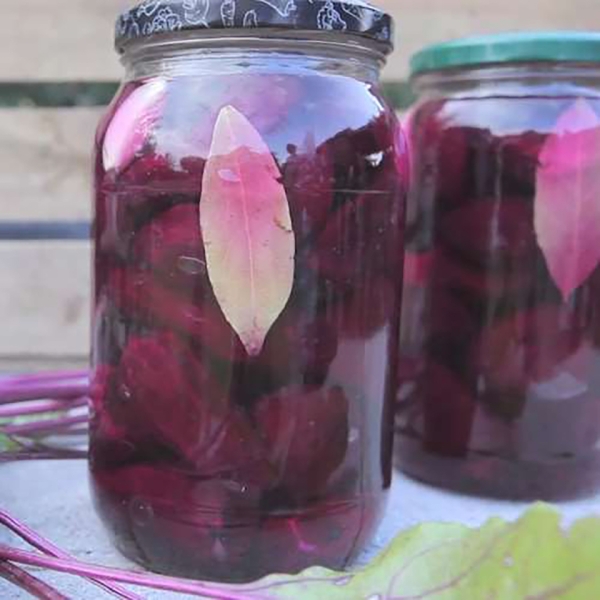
{"points": [[153, 17]]}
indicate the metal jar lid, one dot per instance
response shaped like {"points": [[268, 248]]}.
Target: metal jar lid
{"points": [[353, 17]]}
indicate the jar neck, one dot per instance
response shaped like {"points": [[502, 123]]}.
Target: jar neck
{"points": [[192, 55], [519, 80]]}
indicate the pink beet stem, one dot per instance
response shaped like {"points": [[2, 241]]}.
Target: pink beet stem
{"points": [[43, 545], [25, 409], [23, 389], [46, 426], [47, 376], [32, 585], [42, 454], [75, 431], [75, 567]]}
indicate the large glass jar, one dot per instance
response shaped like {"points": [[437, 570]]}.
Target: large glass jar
{"points": [[248, 252], [500, 373]]}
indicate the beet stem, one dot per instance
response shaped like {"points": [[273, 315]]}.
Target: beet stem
{"points": [[42, 454], [38, 408], [43, 545], [57, 386], [159, 582], [32, 585], [44, 426]]}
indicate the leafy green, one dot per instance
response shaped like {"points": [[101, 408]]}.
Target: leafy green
{"points": [[6, 444], [533, 558]]}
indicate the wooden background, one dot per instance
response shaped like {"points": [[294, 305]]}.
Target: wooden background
{"points": [[44, 151]]}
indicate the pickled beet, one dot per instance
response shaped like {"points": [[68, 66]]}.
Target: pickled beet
{"points": [[171, 246], [179, 521], [165, 387], [144, 301], [490, 233], [448, 411], [366, 311], [309, 181], [207, 461], [444, 148], [358, 242], [493, 351], [299, 344], [306, 435]]}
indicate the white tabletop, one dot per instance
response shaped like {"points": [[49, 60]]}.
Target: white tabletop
{"points": [[53, 498]]}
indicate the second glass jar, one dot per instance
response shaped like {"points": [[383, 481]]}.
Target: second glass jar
{"points": [[500, 333]]}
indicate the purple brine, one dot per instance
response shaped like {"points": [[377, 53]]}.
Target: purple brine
{"points": [[207, 461]]}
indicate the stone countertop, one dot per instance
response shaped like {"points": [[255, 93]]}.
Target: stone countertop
{"points": [[53, 498]]}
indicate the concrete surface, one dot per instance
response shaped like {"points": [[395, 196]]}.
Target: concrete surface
{"points": [[53, 498]]}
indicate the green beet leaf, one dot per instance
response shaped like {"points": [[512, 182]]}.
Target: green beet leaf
{"points": [[533, 558]]}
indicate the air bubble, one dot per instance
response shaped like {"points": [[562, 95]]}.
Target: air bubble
{"points": [[141, 512]]}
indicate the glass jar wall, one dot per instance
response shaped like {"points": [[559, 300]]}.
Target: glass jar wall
{"points": [[248, 253]]}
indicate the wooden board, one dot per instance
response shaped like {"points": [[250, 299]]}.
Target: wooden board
{"points": [[45, 299], [72, 39], [45, 165]]}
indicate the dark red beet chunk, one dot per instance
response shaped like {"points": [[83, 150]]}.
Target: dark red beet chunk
{"points": [[493, 234], [180, 522], [455, 274], [306, 434], [367, 310], [309, 183], [446, 148], [448, 411], [300, 348], [336, 531], [172, 247], [144, 300], [362, 239], [162, 384], [520, 155], [121, 211]]}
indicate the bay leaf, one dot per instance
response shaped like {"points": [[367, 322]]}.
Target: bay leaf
{"points": [[567, 201], [247, 229]]}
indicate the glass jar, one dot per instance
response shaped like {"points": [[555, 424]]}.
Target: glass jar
{"points": [[500, 389], [248, 252]]}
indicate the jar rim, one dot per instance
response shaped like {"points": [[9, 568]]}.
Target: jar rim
{"points": [[508, 48], [154, 18]]}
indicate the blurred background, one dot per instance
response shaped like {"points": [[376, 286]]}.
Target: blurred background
{"points": [[57, 71]]}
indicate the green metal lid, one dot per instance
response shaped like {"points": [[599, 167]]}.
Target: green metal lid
{"points": [[509, 47]]}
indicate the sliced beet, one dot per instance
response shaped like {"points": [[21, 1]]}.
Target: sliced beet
{"points": [[366, 310], [455, 274], [362, 239], [171, 246], [493, 233], [180, 522], [448, 411], [300, 348], [309, 183], [306, 435], [146, 301], [520, 160], [164, 386]]}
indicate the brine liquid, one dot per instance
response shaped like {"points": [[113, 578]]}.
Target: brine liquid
{"points": [[206, 462], [500, 373]]}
